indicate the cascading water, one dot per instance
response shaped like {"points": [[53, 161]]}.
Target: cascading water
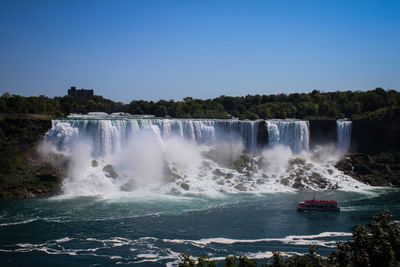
{"points": [[291, 133], [109, 136], [111, 155], [343, 130]]}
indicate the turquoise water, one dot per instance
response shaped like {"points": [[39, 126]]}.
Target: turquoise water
{"points": [[154, 230]]}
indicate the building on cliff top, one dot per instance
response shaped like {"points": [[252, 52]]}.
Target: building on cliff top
{"points": [[81, 93]]}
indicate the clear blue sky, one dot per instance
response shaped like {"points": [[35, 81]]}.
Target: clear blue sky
{"points": [[164, 49]]}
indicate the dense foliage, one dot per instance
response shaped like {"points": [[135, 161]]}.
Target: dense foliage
{"points": [[374, 104], [57, 106], [22, 174], [377, 244]]}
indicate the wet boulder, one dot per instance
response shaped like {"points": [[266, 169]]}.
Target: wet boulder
{"points": [[95, 163], [229, 175], [285, 181], [297, 161], [221, 182], [298, 184], [260, 181], [241, 187], [184, 186], [129, 186], [170, 174], [218, 172], [244, 161], [109, 171]]}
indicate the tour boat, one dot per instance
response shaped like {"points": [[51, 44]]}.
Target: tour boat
{"points": [[318, 205]]}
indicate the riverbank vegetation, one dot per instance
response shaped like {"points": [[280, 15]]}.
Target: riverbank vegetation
{"points": [[375, 104], [376, 244], [22, 173]]}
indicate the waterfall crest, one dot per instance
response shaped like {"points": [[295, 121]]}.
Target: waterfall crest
{"points": [[109, 136]]}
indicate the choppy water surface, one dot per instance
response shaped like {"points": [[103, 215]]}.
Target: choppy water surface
{"points": [[155, 229]]}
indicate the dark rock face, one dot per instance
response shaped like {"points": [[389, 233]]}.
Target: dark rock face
{"points": [[375, 136], [48, 172], [378, 170], [367, 136], [262, 135], [322, 132]]}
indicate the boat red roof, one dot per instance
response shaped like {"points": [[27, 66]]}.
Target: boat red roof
{"points": [[320, 201]]}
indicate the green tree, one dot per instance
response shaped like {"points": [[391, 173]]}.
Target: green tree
{"points": [[186, 261], [377, 244], [206, 262], [230, 261], [161, 111]]}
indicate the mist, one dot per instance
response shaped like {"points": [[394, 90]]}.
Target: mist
{"points": [[123, 158]]}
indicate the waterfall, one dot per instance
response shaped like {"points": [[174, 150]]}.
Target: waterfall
{"points": [[291, 133], [117, 155], [108, 136], [343, 131]]}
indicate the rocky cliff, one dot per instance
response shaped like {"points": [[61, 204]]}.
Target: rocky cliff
{"points": [[375, 136], [322, 132], [22, 172]]}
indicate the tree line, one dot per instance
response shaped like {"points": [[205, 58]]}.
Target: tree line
{"points": [[373, 104]]}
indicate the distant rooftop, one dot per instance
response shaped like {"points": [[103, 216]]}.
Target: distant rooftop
{"points": [[81, 93]]}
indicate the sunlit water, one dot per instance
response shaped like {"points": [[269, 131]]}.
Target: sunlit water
{"points": [[155, 229]]}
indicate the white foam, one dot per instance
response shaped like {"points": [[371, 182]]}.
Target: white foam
{"points": [[17, 223], [64, 239], [152, 253], [293, 239], [147, 256], [52, 247]]}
